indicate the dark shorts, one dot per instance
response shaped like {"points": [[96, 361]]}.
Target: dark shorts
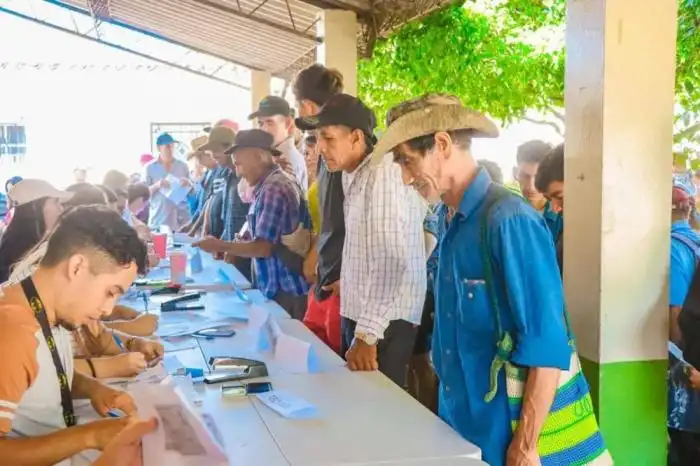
{"points": [[427, 322]]}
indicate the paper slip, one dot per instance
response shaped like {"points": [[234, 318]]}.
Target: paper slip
{"points": [[153, 375], [183, 238], [173, 344], [182, 437], [294, 355], [288, 405], [176, 193], [676, 352], [196, 265]]}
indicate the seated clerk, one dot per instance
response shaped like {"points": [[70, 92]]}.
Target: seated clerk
{"points": [[92, 257]]}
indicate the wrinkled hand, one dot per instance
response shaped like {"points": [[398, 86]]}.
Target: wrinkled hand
{"points": [[124, 448], [129, 364], [210, 244], [694, 377], [334, 288], [519, 456], [104, 399], [361, 356], [229, 258], [151, 349]]}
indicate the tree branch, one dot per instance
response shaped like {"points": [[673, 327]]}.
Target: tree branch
{"points": [[556, 127], [686, 133], [558, 115]]}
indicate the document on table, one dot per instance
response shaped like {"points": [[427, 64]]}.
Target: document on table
{"points": [[176, 192], [182, 438]]}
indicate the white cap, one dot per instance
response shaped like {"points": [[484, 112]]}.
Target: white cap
{"points": [[29, 190]]}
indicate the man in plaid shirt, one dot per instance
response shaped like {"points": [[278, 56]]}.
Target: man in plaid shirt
{"points": [[278, 209]]}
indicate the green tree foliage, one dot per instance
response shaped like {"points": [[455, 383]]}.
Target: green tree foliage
{"points": [[488, 58]]}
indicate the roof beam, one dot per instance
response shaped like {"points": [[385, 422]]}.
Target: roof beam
{"points": [[234, 12], [56, 27], [335, 5]]}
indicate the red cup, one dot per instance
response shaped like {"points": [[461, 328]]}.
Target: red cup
{"points": [[160, 244], [178, 267]]}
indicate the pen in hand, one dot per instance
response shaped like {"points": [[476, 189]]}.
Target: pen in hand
{"points": [[119, 343]]}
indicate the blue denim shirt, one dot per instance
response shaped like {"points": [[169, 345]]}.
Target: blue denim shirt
{"points": [[683, 401], [464, 340]]}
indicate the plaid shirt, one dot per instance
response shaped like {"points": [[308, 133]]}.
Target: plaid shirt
{"points": [[276, 211], [234, 209]]}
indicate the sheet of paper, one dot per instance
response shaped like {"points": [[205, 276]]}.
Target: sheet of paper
{"points": [[294, 355], [676, 352], [176, 192], [174, 344], [288, 405], [182, 437]]}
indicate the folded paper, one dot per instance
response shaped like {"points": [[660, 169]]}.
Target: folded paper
{"points": [[288, 405]]}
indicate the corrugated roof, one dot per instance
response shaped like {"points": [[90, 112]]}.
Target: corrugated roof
{"points": [[273, 35]]}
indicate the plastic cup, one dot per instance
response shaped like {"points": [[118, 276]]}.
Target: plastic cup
{"points": [[178, 267], [160, 244]]}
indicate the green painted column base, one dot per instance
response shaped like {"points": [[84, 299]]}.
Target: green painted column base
{"points": [[629, 399]]}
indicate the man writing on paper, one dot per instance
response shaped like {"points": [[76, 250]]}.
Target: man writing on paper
{"points": [[163, 211], [91, 258]]}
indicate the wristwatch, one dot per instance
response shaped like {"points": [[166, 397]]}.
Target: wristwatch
{"points": [[367, 338]]}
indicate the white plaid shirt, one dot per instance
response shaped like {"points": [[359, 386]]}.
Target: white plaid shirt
{"points": [[383, 277]]}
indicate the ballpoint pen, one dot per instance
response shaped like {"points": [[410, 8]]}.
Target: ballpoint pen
{"points": [[119, 343]]}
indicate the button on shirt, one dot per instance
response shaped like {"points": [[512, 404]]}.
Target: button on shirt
{"points": [[162, 210], [296, 159], [276, 211], [383, 277], [464, 339]]}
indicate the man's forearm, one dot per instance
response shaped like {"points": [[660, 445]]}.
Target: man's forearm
{"points": [[248, 249], [83, 385], [540, 388], [45, 449]]}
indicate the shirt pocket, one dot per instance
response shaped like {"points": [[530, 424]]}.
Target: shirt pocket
{"points": [[474, 307]]}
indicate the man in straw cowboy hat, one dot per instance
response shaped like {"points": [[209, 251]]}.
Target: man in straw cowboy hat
{"points": [[431, 140], [382, 280], [204, 186]]}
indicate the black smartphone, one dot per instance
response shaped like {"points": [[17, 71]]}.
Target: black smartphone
{"points": [[216, 332], [258, 387]]}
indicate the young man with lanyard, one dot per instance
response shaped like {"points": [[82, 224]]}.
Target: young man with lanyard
{"points": [[550, 182], [383, 278], [431, 142], [92, 257], [277, 210]]}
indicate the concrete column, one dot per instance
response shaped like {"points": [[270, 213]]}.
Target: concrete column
{"points": [[338, 29], [260, 82], [619, 118]]}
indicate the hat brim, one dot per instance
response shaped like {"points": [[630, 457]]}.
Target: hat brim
{"points": [[213, 147], [307, 123], [432, 120], [274, 152]]}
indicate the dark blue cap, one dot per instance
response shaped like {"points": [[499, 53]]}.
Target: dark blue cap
{"points": [[164, 139]]}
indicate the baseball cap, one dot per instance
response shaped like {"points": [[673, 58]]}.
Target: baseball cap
{"points": [[220, 137], [271, 106], [227, 123], [29, 190], [341, 110], [146, 159], [254, 138], [164, 139]]}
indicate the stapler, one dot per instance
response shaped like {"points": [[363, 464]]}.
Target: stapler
{"points": [[176, 303], [235, 369]]}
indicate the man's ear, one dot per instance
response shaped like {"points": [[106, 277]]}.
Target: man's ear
{"points": [[77, 264], [443, 143]]}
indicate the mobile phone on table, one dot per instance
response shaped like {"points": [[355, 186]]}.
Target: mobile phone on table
{"points": [[258, 387]]}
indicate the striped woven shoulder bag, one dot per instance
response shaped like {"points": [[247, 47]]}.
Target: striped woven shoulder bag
{"points": [[570, 435]]}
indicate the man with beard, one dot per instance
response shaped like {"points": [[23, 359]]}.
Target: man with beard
{"points": [[91, 259]]}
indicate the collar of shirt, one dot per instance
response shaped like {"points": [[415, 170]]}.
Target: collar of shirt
{"points": [[348, 177], [474, 194], [286, 145], [260, 184], [680, 226]]}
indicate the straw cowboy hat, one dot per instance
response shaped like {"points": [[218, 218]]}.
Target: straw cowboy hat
{"points": [[196, 145], [428, 115]]}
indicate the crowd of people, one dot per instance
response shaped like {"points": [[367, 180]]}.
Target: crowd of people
{"points": [[404, 254]]}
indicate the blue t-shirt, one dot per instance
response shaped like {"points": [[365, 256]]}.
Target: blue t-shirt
{"points": [[532, 305]]}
